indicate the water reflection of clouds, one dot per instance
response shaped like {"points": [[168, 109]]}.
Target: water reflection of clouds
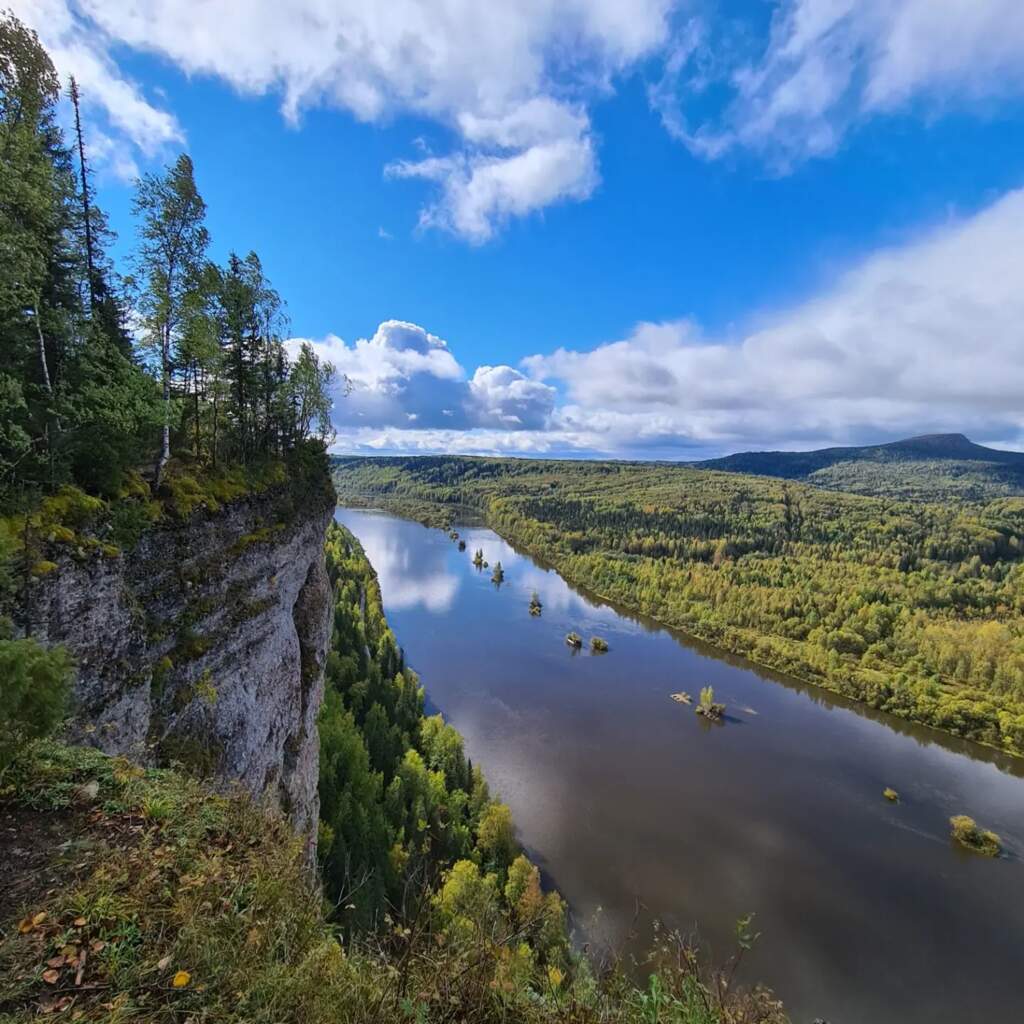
{"points": [[405, 581]]}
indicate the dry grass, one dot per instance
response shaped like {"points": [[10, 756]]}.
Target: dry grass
{"points": [[164, 903]]}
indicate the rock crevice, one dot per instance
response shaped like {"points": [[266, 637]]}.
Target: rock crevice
{"points": [[205, 645]]}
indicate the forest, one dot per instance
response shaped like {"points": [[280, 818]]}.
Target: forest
{"points": [[133, 379], [403, 810], [913, 608]]}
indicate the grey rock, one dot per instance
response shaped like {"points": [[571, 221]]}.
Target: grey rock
{"points": [[205, 645]]}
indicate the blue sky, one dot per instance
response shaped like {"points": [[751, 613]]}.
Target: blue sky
{"points": [[663, 228]]}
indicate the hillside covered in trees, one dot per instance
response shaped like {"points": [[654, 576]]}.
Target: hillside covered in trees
{"points": [[912, 608], [933, 467]]}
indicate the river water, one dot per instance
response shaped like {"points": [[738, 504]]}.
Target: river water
{"points": [[636, 808]]}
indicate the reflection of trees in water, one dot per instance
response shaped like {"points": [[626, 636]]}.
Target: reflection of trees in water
{"points": [[562, 595], [426, 582]]}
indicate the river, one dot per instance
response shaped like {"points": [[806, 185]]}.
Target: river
{"points": [[636, 808]]}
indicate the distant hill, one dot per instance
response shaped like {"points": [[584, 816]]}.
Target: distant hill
{"points": [[932, 467]]}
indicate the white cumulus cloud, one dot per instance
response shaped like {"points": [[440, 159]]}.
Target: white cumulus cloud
{"points": [[925, 336], [405, 378]]}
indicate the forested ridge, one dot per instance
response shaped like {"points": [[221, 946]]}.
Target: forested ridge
{"points": [[401, 804], [420, 861], [933, 467], [913, 608]]}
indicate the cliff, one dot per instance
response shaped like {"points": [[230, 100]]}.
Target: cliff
{"points": [[205, 644]]}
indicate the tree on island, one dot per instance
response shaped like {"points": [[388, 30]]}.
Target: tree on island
{"points": [[708, 707], [535, 606], [498, 575]]}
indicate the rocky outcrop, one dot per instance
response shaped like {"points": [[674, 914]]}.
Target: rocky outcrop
{"points": [[204, 645]]}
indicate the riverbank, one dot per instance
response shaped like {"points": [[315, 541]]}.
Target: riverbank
{"points": [[634, 808], [908, 609]]}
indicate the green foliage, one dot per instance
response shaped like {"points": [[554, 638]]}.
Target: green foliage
{"points": [[598, 644], [915, 609], [966, 832], [34, 686], [400, 801], [79, 402], [708, 707], [75, 408], [190, 905]]}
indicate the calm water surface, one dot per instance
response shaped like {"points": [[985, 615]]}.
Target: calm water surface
{"points": [[626, 799]]}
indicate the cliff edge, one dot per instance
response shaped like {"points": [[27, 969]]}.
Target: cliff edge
{"points": [[205, 644]]}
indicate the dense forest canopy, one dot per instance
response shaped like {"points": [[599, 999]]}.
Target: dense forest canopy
{"points": [[104, 374], [912, 608], [400, 801]]}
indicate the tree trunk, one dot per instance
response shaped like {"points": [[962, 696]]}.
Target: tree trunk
{"points": [[86, 216], [165, 441], [214, 439], [42, 349], [195, 402]]}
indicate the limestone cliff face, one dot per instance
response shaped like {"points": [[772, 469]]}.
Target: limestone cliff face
{"points": [[205, 645]]}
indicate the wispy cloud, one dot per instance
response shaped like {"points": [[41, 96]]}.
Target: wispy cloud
{"points": [[829, 65]]}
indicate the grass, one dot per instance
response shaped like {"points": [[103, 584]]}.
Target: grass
{"points": [[177, 904]]}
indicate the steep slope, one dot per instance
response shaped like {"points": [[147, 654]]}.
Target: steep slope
{"points": [[204, 643], [929, 467]]}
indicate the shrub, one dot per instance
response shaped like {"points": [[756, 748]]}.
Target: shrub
{"points": [[33, 694], [966, 832]]}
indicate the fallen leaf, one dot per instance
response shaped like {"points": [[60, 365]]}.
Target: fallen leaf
{"points": [[55, 961], [163, 963], [80, 922], [97, 945], [39, 918], [25, 925], [51, 977], [181, 979]]}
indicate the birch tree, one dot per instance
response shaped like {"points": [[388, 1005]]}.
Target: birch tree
{"points": [[169, 262]]}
